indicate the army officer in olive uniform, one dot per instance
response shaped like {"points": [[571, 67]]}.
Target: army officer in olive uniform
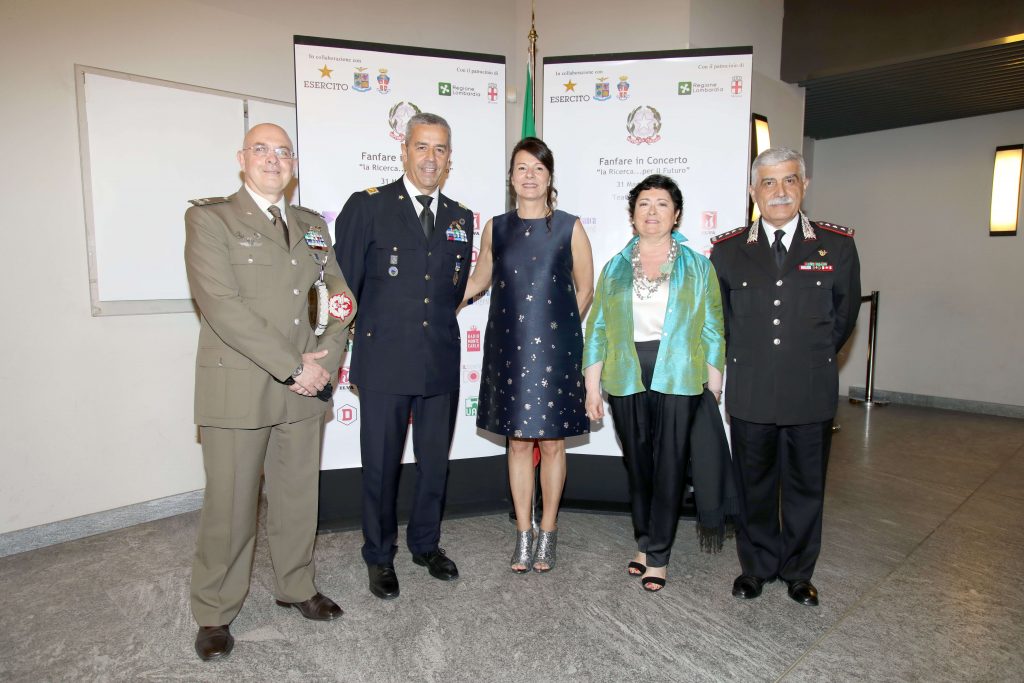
{"points": [[251, 261], [790, 295], [406, 250]]}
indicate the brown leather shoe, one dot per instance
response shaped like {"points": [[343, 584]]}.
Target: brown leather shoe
{"points": [[319, 608], [213, 642]]}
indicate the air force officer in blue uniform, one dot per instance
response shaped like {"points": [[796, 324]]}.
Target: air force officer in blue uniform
{"points": [[405, 249]]}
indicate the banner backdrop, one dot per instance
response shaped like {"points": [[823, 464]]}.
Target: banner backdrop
{"points": [[612, 120], [352, 103]]}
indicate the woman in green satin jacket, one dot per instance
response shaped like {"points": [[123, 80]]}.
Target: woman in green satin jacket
{"points": [[655, 343]]}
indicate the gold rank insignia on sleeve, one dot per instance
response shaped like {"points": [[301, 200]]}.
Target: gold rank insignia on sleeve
{"points": [[207, 201], [832, 227], [372, 190]]}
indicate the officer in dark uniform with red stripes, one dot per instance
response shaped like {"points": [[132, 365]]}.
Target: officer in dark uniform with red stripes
{"points": [[406, 248], [790, 294]]}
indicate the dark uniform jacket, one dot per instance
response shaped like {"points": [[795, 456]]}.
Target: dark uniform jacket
{"points": [[784, 327], [251, 289], [407, 339]]}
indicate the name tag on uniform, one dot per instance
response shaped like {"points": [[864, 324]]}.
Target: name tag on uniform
{"points": [[820, 266]]}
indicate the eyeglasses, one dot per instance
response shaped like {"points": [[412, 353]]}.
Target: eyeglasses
{"points": [[263, 150]]}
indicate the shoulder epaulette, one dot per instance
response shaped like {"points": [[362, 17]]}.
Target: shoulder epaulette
{"points": [[372, 190], [726, 235], [840, 229], [463, 206], [207, 201], [303, 208]]}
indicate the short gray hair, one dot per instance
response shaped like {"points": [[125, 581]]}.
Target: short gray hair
{"points": [[775, 156], [428, 119]]}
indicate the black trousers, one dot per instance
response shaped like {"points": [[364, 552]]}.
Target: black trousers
{"points": [[654, 430], [773, 463], [382, 433]]}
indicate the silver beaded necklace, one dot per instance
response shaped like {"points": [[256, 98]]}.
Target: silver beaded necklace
{"points": [[643, 287]]}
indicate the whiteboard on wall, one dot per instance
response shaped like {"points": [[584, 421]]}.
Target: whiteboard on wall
{"points": [[147, 147]]}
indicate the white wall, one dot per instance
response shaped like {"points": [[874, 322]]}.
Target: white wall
{"points": [[951, 314], [98, 411], [715, 23], [757, 23]]}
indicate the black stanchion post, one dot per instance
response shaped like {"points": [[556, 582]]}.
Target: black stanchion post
{"points": [[869, 380]]}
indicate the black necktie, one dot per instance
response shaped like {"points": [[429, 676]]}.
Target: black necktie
{"points": [[779, 248], [426, 216], [278, 220]]}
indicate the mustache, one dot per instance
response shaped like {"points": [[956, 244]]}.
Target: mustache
{"points": [[780, 201]]}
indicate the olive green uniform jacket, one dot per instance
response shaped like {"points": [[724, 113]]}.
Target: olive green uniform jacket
{"points": [[251, 289]]}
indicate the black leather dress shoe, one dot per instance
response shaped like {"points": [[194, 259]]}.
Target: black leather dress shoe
{"points": [[748, 587], [319, 608], [803, 592], [383, 581], [438, 564], [213, 642]]}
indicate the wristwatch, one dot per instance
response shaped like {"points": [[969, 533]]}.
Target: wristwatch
{"points": [[291, 380]]}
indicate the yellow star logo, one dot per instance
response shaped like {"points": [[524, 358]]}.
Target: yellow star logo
{"points": [[325, 72], [570, 86]]}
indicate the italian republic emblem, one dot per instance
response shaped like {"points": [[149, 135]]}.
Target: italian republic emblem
{"points": [[398, 117], [644, 125]]}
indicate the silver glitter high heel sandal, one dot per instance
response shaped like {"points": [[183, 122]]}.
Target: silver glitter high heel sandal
{"points": [[523, 554], [546, 542]]}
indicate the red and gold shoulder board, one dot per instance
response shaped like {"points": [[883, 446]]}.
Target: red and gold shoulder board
{"points": [[726, 235], [832, 227]]}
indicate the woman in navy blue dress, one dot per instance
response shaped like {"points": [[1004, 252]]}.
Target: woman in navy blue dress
{"points": [[538, 264]]}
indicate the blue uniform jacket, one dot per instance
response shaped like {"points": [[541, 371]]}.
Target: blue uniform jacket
{"points": [[407, 338]]}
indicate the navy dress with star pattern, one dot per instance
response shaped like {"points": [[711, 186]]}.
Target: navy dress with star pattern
{"points": [[532, 382]]}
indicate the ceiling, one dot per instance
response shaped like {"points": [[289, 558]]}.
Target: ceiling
{"points": [[970, 82]]}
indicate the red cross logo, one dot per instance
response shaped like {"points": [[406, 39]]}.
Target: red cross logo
{"points": [[492, 92]]}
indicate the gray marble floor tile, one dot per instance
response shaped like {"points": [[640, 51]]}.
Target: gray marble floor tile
{"points": [[1008, 480], [922, 527], [947, 613]]}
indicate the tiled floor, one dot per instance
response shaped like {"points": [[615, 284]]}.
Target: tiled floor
{"points": [[923, 543]]}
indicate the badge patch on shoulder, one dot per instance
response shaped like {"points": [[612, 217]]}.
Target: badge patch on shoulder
{"points": [[340, 306]]}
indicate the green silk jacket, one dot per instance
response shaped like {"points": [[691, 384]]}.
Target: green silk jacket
{"points": [[693, 334]]}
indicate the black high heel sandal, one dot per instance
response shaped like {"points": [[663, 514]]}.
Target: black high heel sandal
{"points": [[654, 580]]}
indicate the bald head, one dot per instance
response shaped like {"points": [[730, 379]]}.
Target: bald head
{"points": [[266, 160]]}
